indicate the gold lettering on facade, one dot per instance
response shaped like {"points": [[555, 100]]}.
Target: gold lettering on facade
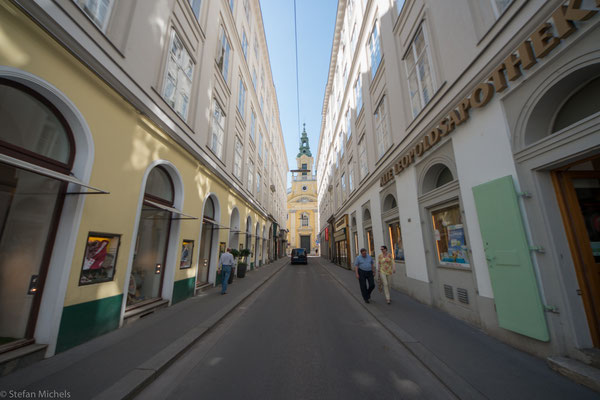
{"points": [[542, 42], [482, 95]]}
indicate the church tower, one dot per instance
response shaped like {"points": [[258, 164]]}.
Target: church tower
{"points": [[302, 201]]}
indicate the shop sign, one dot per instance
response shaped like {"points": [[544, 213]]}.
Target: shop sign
{"points": [[341, 223], [539, 44]]}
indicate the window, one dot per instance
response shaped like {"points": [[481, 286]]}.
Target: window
{"points": [[260, 143], [237, 159], [343, 186], [247, 10], [304, 219], [498, 6], [98, 11], [397, 247], [178, 77], [254, 77], [250, 175], [342, 146], [242, 98], [245, 44], [266, 157], [358, 93], [255, 47], [362, 158], [348, 125], [223, 53], [231, 4], [418, 69], [257, 183], [399, 4], [218, 130], [381, 130], [252, 124], [350, 181], [353, 41], [345, 76], [449, 236], [374, 49]]}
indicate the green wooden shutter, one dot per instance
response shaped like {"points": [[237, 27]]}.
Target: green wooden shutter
{"points": [[514, 283]]}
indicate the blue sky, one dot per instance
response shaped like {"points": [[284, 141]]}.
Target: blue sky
{"points": [[315, 22]]}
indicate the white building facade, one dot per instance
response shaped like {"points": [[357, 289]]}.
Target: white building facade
{"points": [[464, 136]]}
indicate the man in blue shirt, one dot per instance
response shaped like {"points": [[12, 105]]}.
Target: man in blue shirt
{"points": [[365, 270]]}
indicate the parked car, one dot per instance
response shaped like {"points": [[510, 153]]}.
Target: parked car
{"points": [[299, 256]]}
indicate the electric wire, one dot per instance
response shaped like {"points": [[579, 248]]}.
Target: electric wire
{"points": [[297, 74]]}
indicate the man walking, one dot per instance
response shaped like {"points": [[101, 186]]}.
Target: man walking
{"points": [[365, 268], [225, 264]]}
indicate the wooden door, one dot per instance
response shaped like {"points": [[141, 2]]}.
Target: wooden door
{"points": [[578, 193]]}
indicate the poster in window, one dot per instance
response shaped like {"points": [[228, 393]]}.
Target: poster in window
{"points": [[99, 258], [457, 249], [187, 251]]}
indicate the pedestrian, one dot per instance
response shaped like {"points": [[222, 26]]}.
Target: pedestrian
{"points": [[365, 268], [386, 269], [225, 265]]}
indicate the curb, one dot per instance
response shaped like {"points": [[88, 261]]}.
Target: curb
{"points": [[446, 375], [140, 377]]}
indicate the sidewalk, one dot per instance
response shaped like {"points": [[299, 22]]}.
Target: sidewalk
{"points": [[119, 363], [470, 363]]}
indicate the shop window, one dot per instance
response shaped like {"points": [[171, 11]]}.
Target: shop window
{"points": [[579, 106], [97, 10], [100, 258], [31, 130], [370, 242], [147, 271], [397, 247], [449, 236]]}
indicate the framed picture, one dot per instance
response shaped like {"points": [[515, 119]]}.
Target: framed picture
{"points": [[187, 252], [99, 258]]}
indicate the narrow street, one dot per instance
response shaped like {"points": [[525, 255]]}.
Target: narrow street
{"points": [[301, 336]]}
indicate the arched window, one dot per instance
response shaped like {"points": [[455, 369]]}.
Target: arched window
{"points": [[147, 272], [582, 104], [389, 203], [31, 130], [437, 176], [366, 215]]}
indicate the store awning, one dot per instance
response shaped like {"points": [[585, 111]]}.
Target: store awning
{"points": [[214, 223], [15, 162], [172, 210]]}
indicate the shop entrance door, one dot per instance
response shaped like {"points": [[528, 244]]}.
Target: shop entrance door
{"points": [[205, 252], [305, 243], [578, 192]]}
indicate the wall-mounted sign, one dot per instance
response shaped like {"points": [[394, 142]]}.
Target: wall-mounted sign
{"points": [[540, 43]]}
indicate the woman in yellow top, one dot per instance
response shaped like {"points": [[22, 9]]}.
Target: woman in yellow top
{"points": [[386, 268]]}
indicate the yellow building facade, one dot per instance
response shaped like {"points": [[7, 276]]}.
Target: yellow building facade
{"points": [[108, 213], [302, 202]]}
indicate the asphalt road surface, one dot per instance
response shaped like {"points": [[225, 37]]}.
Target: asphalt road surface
{"points": [[301, 336]]}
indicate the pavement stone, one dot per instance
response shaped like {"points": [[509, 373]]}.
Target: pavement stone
{"points": [[470, 363], [120, 363]]}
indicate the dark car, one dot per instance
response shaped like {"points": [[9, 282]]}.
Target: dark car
{"points": [[299, 256]]}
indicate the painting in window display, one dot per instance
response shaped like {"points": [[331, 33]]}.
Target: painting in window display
{"points": [[187, 251], [449, 234], [99, 258]]}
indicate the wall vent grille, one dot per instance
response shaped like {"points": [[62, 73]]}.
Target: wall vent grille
{"points": [[449, 292], [463, 295]]}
